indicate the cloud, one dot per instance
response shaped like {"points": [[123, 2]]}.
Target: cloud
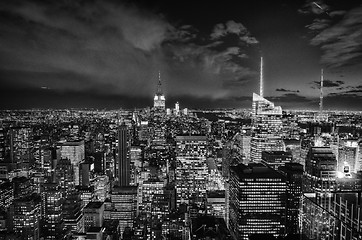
{"points": [[112, 49], [341, 43], [319, 24], [286, 90], [315, 8], [289, 97], [337, 13], [232, 27], [343, 101], [327, 83]]}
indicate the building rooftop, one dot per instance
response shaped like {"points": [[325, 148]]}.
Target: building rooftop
{"points": [[255, 170], [94, 205]]}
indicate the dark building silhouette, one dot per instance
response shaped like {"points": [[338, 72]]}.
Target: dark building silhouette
{"points": [[294, 177], [123, 160]]}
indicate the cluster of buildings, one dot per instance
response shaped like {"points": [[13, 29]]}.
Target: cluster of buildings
{"points": [[158, 173]]}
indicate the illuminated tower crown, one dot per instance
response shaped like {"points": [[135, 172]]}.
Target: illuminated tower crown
{"points": [[159, 100]]}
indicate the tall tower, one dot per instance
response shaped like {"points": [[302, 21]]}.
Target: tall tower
{"points": [[261, 77], [123, 160], [159, 99], [321, 94]]}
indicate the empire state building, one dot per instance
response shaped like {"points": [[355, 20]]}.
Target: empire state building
{"points": [[159, 100]]}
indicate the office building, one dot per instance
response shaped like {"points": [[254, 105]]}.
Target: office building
{"points": [[52, 215], [257, 201], [276, 159], [25, 212], [93, 215], [124, 206], [320, 172], [348, 156], [191, 169], [266, 128], [123, 173], [294, 177], [73, 213], [75, 152]]}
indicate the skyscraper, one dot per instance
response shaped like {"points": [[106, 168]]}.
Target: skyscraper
{"points": [[123, 160], [52, 216], [191, 169], [266, 127], [75, 152], [348, 156], [159, 100], [257, 201], [294, 176]]}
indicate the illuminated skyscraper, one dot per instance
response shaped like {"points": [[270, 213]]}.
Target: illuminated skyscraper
{"points": [[21, 145], [52, 216], [124, 206], [266, 127], [348, 156], [25, 214], [75, 152], [257, 201], [320, 170], [159, 101], [191, 169], [294, 176]]}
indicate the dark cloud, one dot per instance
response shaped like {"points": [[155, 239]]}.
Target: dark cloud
{"points": [[314, 7], [286, 90], [319, 24], [107, 48], [349, 89], [341, 43], [289, 97], [343, 101], [232, 27], [327, 83]]}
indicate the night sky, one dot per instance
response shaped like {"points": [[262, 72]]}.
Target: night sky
{"points": [[107, 54]]}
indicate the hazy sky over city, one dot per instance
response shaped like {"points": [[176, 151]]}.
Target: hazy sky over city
{"points": [[107, 54]]}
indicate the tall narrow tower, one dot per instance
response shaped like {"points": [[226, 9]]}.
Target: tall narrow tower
{"points": [[123, 160], [321, 94], [159, 99], [261, 77]]}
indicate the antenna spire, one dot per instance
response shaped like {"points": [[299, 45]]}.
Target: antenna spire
{"points": [[321, 93], [261, 77], [159, 85]]}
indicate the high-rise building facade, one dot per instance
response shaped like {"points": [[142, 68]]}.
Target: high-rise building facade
{"points": [[52, 215], [25, 212], [75, 152], [257, 201], [124, 169], [266, 127], [294, 178], [348, 156], [191, 168], [123, 206]]}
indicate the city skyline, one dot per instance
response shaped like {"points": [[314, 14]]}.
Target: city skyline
{"points": [[108, 54]]}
